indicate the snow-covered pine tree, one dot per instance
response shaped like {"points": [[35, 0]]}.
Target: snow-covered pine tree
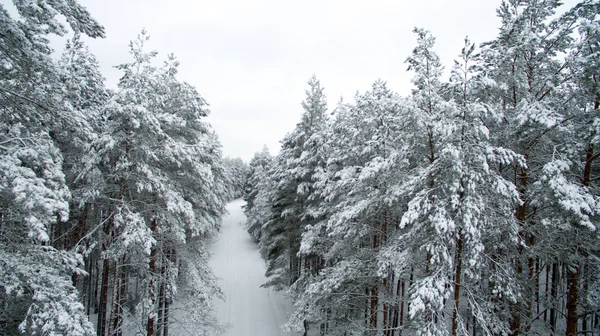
{"points": [[85, 95], [35, 276], [527, 62], [583, 304], [292, 175], [480, 204], [355, 206], [237, 171], [566, 191], [166, 185], [257, 193], [426, 242]]}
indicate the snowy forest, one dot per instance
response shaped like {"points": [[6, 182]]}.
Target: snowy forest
{"points": [[469, 207], [105, 195]]}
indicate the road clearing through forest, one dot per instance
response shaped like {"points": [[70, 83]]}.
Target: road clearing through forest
{"points": [[249, 309]]}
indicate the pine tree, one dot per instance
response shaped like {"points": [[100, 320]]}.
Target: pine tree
{"points": [[237, 170], [165, 185], [355, 207], [34, 197], [525, 60], [291, 173], [257, 193]]}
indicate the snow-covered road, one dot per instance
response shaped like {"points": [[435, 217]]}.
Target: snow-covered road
{"points": [[249, 309]]}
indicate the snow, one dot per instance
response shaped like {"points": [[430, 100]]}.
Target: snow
{"points": [[248, 309]]}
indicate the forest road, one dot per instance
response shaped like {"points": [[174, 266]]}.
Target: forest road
{"points": [[248, 309]]}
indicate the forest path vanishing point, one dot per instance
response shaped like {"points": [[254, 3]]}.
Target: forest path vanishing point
{"points": [[249, 309]]}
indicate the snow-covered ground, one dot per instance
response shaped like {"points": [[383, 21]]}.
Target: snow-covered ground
{"points": [[249, 309]]}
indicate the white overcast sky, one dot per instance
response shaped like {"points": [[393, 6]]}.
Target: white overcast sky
{"points": [[251, 59]]}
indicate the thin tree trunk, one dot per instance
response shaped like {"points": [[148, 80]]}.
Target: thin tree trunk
{"points": [[122, 297], [457, 283], [585, 279], [374, 297], [395, 315], [166, 319], [305, 325], [553, 296], [115, 299], [537, 285], [96, 285], [546, 293], [402, 308], [152, 284], [367, 302], [521, 216], [573, 276], [103, 307], [89, 284], [532, 277], [161, 296], [384, 319], [572, 298]]}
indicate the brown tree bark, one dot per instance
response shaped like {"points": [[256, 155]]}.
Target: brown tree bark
{"points": [[572, 298], [457, 283], [374, 301], [521, 216], [573, 275]]}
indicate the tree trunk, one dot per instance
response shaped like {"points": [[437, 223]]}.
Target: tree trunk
{"points": [[152, 284], [367, 302], [161, 296], [395, 313], [459, 248], [402, 309], [96, 286], [538, 269], [384, 319], [122, 297], [572, 298], [305, 325], [103, 307], [115, 300], [573, 276], [546, 292], [89, 285], [553, 296], [521, 216], [374, 299], [585, 278], [166, 319]]}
